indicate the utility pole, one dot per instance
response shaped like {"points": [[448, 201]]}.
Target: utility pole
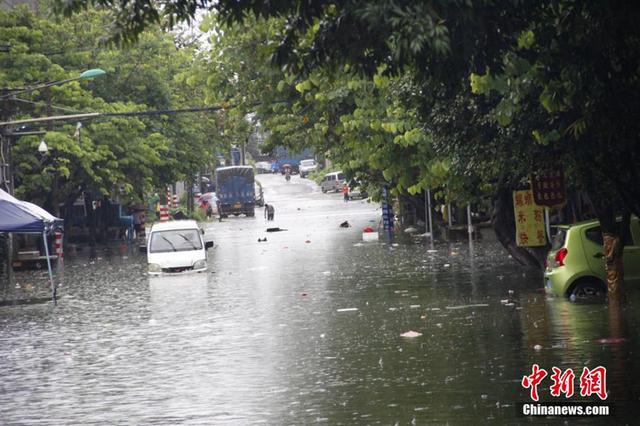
{"points": [[6, 180], [5, 143], [428, 219]]}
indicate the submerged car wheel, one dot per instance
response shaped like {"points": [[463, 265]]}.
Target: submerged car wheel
{"points": [[588, 290]]}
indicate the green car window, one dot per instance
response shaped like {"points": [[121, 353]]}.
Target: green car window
{"points": [[595, 235]]}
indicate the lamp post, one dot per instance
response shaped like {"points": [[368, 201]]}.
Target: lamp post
{"points": [[86, 75], [6, 135], [7, 95]]}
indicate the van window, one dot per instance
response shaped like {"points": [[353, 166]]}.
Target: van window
{"points": [[175, 240], [340, 176], [332, 177]]}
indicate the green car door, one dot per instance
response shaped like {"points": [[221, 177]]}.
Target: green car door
{"points": [[592, 247]]}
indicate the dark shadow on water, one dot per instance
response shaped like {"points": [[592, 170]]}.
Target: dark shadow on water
{"points": [[31, 301]]}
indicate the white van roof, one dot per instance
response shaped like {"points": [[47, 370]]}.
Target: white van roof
{"points": [[174, 224]]}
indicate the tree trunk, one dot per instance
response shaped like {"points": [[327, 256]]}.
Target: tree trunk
{"points": [[504, 225], [613, 246]]}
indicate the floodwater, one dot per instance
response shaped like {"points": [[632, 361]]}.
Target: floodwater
{"points": [[305, 328]]}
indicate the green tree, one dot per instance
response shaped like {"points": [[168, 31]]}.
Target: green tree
{"points": [[560, 76], [135, 154]]}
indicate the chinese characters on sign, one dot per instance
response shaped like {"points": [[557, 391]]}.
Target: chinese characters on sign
{"points": [[592, 382], [529, 220], [387, 213], [548, 187]]}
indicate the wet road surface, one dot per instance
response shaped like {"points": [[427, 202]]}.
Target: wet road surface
{"points": [[304, 328]]}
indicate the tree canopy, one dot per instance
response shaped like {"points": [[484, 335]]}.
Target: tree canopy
{"points": [[562, 74], [126, 155]]}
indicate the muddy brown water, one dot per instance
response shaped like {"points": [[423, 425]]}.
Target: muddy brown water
{"points": [[305, 328]]}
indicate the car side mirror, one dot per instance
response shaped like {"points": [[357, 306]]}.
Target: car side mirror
{"points": [[208, 244], [202, 231]]}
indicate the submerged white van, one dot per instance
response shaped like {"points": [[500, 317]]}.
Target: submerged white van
{"points": [[176, 247]]}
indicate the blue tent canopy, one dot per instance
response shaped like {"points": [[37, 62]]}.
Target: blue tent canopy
{"points": [[24, 217]]}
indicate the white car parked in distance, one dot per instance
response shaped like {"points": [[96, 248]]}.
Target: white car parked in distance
{"points": [[307, 166], [176, 247]]}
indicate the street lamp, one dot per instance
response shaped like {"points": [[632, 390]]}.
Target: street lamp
{"points": [[6, 95], [88, 74], [43, 148]]}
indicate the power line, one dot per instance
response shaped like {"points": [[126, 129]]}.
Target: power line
{"points": [[41, 103], [92, 115]]}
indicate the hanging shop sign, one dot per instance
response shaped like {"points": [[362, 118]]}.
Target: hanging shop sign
{"points": [[529, 220], [548, 187]]}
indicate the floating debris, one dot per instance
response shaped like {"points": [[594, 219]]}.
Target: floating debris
{"points": [[537, 347], [275, 229], [411, 333], [370, 236], [476, 305], [347, 310]]}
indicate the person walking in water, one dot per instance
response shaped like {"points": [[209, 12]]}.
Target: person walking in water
{"points": [[269, 211], [345, 192]]}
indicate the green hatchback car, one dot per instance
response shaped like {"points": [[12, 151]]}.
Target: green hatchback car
{"points": [[575, 264]]}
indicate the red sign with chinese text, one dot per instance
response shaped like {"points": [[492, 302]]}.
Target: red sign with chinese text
{"points": [[548, 187]]}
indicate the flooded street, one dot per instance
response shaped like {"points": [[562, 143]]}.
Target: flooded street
{"points": [[306, 328]]}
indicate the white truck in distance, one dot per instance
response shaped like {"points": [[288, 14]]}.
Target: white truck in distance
{"points": [[307, 166]]}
